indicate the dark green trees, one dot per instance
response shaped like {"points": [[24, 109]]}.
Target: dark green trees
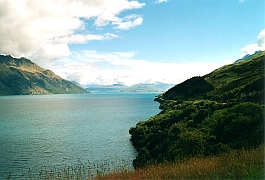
{"points": [[191, 88], [197, 128], [241, 125]]}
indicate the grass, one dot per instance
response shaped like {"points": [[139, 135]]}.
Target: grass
{"points": [[82, 170], [242, 164]]}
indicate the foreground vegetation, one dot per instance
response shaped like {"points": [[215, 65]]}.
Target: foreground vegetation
{"points": [[81, 170], [201, 128], [235, 164]]}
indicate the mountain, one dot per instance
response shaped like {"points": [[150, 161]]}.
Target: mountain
{"points": [[136, 88], [205, 116], [115, 88], [248, 56], [236, 82], [22, 77]]}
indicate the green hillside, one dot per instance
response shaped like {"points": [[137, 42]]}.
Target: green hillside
{"points": [[21, 77], [234, 82], [206, 115]]}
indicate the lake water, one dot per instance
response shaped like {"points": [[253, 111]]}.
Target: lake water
{"points": [[64, 130]]}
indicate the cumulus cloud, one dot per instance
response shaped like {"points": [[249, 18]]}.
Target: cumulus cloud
{"points": [[251, 48], [92, 67], [29, 27]]}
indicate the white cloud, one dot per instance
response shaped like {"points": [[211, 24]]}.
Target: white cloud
{"points": [[128, 22], [92, 67], [29, 27], [112, 8], [261, 39], [251, 48], [228, 61], [241, 1], [84, 38], [160, 1], [47, 53]]}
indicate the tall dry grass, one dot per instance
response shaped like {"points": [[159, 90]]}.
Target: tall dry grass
{"points": [[242, 164]]}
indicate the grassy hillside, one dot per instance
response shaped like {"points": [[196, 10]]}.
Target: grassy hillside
{"points": [[205, 116], [21, 76], [238, 82]]}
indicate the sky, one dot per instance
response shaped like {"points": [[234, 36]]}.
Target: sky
{"points": [[127, 42]]}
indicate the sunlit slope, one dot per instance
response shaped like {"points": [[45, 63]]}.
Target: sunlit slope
{"points": [[21, 76]]}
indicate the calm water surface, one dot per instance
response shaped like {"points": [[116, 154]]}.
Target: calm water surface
{"points": [[59, 130]]}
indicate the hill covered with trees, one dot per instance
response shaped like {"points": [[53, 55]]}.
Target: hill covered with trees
{"points": [[205, 116]]}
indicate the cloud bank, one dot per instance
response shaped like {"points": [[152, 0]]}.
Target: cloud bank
{"points": [[92, 67], [37, 29]]}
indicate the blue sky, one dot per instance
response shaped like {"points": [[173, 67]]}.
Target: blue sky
{"points": [[129, 42], [190, 30]]}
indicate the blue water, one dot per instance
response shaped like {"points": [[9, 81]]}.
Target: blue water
{"points": [[59, 130]]}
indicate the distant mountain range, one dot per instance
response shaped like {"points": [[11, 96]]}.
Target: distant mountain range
{"points": [[23, 77], [136, 88]]}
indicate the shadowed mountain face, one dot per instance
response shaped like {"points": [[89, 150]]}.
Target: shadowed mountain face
{"points": [[22, 77]]}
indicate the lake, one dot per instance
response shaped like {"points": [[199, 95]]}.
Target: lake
{"points": [[63, 130]]}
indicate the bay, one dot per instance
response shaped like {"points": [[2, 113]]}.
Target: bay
{"points": [[64, 130]]}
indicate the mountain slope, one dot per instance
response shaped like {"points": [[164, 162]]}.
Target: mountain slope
{"points": [[21, 77], [234, 82], [205, 116], [248, 56], [239, 82], [190, 88]]}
